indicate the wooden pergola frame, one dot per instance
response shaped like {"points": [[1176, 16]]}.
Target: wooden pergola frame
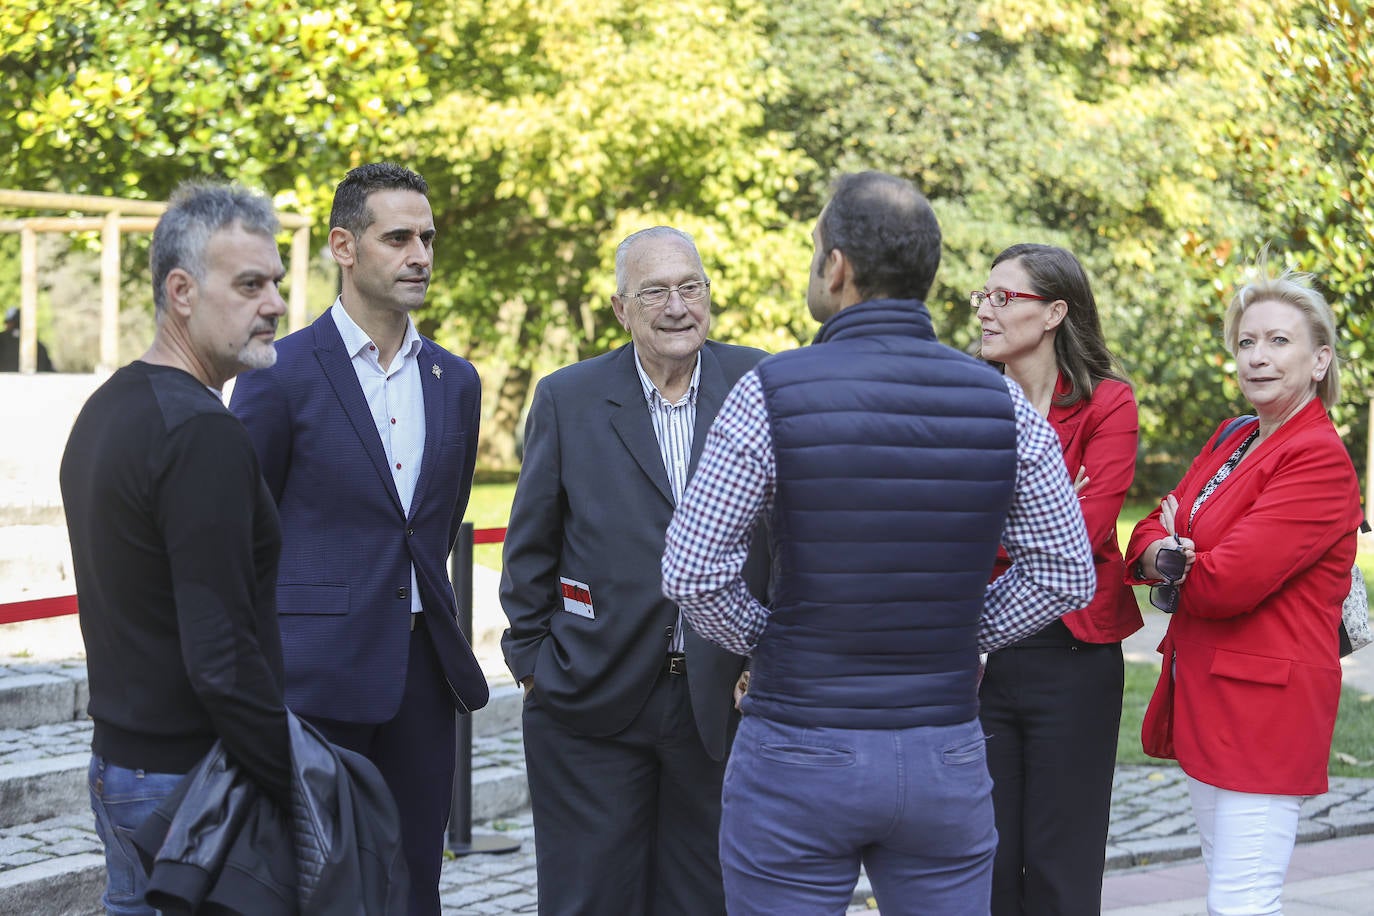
{"points": [[120, 215]]}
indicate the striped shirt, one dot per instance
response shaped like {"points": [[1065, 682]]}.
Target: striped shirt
{"points": [[674, 426], [1052, 569]]}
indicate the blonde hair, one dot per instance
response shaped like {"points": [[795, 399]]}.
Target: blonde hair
{"points": [[1298, 290]]}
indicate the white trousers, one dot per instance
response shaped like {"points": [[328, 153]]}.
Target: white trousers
{"points": [[1247, 840]]}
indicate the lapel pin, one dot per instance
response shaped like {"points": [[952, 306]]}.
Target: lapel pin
{"points": [[438, 373]]}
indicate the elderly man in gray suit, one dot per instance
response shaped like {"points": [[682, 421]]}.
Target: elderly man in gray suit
{"points": [[628, 714]]}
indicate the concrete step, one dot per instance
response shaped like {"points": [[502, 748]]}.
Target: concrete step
{"points": [[37, 783], [45, 693], [502, 712], [39, 694], [498, 776], [43, 771], [51, 860], [45, 750], [52, 867]]}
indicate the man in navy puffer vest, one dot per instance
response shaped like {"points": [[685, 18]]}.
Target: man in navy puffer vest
{"points": [[887, 467]]}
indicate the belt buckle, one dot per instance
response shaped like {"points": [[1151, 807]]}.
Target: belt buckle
{"points": [[677, 664]]}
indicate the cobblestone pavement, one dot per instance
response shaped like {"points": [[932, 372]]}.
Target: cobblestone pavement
{"points": [[70, 668], [38, 842], [503, 750], [42, 741], [73, 668], [491, 884], [1151, 818], [1152, 823]]}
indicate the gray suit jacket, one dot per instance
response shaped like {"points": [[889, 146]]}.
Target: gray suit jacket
{"points": [[593, 505]]}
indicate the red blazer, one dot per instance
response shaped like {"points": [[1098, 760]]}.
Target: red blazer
{"points": [[1251, 680], [1101, 435]]}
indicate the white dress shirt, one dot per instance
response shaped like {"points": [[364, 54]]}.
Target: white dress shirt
{"points": [[397, 403]]}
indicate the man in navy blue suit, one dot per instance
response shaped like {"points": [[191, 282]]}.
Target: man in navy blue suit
{"points": [[367, 435]]}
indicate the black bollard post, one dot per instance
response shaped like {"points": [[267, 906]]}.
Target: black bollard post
{"points": [[461, 842]]}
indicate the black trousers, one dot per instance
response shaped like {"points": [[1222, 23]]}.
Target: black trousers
{"points": [[627, 824], [1051, 713], [415, 753]]}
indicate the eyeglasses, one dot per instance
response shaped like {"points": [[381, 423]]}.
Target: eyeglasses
{"points": [[657, 296], [1170, 562], [1000, 297]]}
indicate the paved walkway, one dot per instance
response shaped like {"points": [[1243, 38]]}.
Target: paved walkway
{"points": [[1152, 853], [1151, 834], [1152, 865], [1324, 879]]}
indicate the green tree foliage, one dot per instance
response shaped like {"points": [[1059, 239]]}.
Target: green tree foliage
{"points": [[128, 97], [1089, 125], [548, 130], [1162, 141], [1313, 167], [558, 128], [563, 126]]}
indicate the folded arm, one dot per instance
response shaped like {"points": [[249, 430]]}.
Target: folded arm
{"points": [[1052, 570]]}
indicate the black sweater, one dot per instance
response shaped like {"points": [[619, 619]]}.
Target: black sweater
{"points": [[175, 543]]}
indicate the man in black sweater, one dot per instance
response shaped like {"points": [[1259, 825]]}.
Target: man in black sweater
{"points": [[174, 536]]}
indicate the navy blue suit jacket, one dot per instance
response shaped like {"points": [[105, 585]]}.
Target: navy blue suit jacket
{"points": [[347, 545]]}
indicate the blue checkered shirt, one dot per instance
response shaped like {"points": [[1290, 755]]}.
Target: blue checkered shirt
{"points": [[1052, 569]]}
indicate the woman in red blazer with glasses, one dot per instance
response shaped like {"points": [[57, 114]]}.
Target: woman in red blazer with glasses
{"points": [[1266, 519], [1051, 704]]}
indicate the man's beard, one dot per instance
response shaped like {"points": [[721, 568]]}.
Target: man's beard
{"points": [[255, 355]]}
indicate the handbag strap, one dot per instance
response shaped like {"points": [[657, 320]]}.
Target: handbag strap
{"points": [[1231, 427]]}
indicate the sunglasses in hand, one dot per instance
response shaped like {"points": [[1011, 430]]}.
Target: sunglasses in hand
{"points": [[1170, 562]]}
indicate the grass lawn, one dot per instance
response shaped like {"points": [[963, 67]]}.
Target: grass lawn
{"points": [[1352, 749], [489, 507]]}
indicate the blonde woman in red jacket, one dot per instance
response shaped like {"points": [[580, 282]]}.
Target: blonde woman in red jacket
{"points": [[1266, 521], [1051, 704]]}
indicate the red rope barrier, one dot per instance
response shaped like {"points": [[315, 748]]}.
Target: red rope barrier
{"points": [[41, 608], [37, 609]]}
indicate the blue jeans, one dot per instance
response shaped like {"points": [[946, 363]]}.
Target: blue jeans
{"points": [[805, 806], [121, 800]]}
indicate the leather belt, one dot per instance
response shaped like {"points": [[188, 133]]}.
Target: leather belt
{"points": [[415, 620], [677, 663]]}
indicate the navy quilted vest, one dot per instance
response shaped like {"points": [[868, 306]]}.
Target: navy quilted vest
{"points": [[896, 462]]}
